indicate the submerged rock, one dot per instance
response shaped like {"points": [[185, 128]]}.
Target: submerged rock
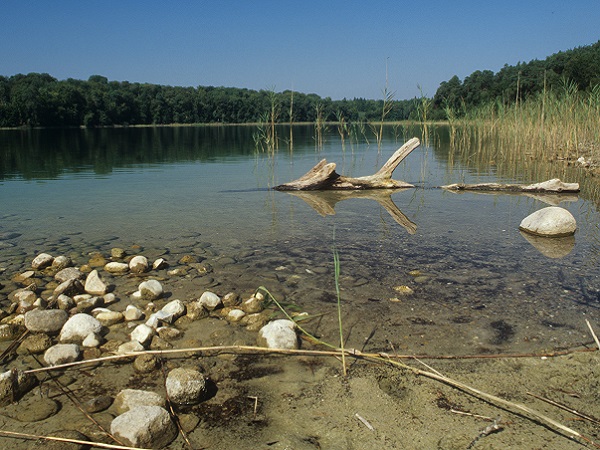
{"points": [[185, 386], [278, 334], [552, 221], [42, 261]]}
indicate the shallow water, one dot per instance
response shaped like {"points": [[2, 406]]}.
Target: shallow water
{"points": [[481, 285]]}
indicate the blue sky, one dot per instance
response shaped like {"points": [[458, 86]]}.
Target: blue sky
{"points": [[328, 47]]}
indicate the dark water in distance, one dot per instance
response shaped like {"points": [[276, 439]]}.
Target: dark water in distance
{"points": [[175, 190]]}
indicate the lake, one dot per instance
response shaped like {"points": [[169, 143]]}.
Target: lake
{"points": [[480, 286]]}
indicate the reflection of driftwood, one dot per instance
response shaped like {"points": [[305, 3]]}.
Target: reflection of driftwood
{"points": [[324, 203], [323, 175], [554, 185]]}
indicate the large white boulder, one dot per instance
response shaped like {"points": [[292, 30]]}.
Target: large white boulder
{"points": [[278, 334], [552, 221]]}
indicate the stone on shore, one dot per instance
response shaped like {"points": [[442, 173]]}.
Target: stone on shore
{"points": [[185, 386], [210, 301], [144, 426], [150, 290], [278, 334], [78, 327], [42, 261], [552, 221], [62, 354], [94, 284], [14, 384], [68, 273], [48, 321], [132, 398], [116, 267], [138, 264]]}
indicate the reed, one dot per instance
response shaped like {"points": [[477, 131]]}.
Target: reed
{"points": [[560, 124]]}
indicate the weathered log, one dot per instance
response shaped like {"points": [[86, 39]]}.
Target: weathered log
{"points": [[324, 203], [554, 185], [323, 176]]}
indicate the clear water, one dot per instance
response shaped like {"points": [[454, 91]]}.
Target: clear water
{"points": [[484, 287]]}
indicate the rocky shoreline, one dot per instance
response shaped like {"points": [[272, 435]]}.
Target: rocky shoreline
{"points": [[62, 313]]}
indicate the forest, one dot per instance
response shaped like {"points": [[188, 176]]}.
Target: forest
{"points": [[40, 100]]}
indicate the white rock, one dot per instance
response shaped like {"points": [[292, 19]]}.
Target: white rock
{"points": [[78, 327], [132, 313], [92, 340], [130, 347], [132, 398], [42, 261], [94, 284], [235, 315], [160, 263], [185, 386], [81, 297], [278, 334], [209, 300], [48, 321], [138, 264], [552, 221], [109, 298], [150, 290], [116, 267], [144, 426], [68, 273], [61, 354], [153, 321], [159, 316], [108, 318], [70, 287], [61, 262], [175, 307], [142, 334], [65, 302]]}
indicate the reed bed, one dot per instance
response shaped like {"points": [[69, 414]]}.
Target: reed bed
{"points": [[554, 125]]}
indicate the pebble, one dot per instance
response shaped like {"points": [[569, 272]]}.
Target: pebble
{"points": [[278, 334], [142, 334], [78, 327], [132, 313], [35, 344], [210, 301], [94, 284], [42, 261], [132, 398], [69, 287], [14, 384], [68, 273], [48, 321], [130, 347], [138, 264], [116, 267], [61, 262], [62, 354], [97, 404], [144, 426], [150, 290], [185, 386], [145, 363]]}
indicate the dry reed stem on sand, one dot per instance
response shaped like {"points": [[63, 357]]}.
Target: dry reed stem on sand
{"points": [[593, 334], [70, 441], [517, 408]]}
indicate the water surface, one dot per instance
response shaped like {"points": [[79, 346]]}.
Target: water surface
{"points": [[479, 284]]}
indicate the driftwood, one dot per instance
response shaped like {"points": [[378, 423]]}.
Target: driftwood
{"points": [[324, 203], [323, 176], [554, 185]]}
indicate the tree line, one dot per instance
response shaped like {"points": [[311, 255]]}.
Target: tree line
{"points": [[38, 99], [511, 84]]}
